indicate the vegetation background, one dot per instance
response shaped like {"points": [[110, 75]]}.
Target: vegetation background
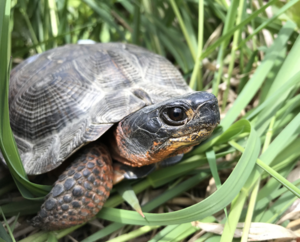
{"points": [[243, 183]]}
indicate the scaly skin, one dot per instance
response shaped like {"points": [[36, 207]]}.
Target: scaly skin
{"points": [[79, 192]]}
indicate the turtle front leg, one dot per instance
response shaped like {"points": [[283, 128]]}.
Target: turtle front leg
{"points": [[80, 191]]}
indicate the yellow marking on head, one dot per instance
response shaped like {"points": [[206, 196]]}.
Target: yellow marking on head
{"points": [[190, 113]]}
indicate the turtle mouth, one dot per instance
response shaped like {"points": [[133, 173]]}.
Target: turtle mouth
{"points": [[195, 137]]}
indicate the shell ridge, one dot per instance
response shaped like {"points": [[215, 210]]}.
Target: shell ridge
{"points": [[142, 70], [44, 157]]}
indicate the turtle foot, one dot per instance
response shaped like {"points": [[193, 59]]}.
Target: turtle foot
{"points": [[36, 222], [80, 191]]}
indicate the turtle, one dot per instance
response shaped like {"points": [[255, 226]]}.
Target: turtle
{"points": [[101, 105]]}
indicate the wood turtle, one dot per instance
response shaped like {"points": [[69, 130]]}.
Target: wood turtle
{"points": [[106, 102]]}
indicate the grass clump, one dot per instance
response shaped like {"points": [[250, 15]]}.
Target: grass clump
{"points": [[246, 53]]}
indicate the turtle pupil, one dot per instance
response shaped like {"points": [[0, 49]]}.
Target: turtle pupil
{"points": [[176, 114]]}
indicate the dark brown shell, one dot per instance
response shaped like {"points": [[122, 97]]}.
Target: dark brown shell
{"points": [[67, 97]]}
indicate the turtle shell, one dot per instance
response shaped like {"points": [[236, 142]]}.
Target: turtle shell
{"points": [[66, 97]]}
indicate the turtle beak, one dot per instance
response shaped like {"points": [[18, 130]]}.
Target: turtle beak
{"points": [[206, 108], [208, 112]]}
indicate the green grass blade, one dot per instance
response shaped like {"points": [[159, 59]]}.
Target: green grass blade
{"points": [[236, 38], [247, 71], [294, 80], [254, 193], [52, 238], [279, 178], [99, 8], [164, 232], [133, 234], [180, 233], [233, 218], [258, 77], [212, 161], [129, 196], [273, 173], [198, 66], [184, 29], [229, 23], [136, 23], [286, 136], [3, 234], [32, 33], [292, 151], [104, 232], [288, 69], [278, 208], [211, 157], [53, 19], [251, 207], [10, 237], [270, 20], [37, 237], [272, 75], [25, 207], [228, 35]]}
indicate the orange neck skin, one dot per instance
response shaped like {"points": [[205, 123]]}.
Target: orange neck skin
{"points": [[127, 153]]}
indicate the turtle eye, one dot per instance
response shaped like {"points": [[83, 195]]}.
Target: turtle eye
{"points": [[174, 116]]}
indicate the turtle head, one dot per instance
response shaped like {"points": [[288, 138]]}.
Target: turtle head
{"points": [[166, 129]]}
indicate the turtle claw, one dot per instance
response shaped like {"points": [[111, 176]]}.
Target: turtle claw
{"points": [[171, 161], [128, 194], [122, 171], [36, 222]]}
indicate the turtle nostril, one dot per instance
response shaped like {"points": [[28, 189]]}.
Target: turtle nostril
{"points": [[209, 112]]}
